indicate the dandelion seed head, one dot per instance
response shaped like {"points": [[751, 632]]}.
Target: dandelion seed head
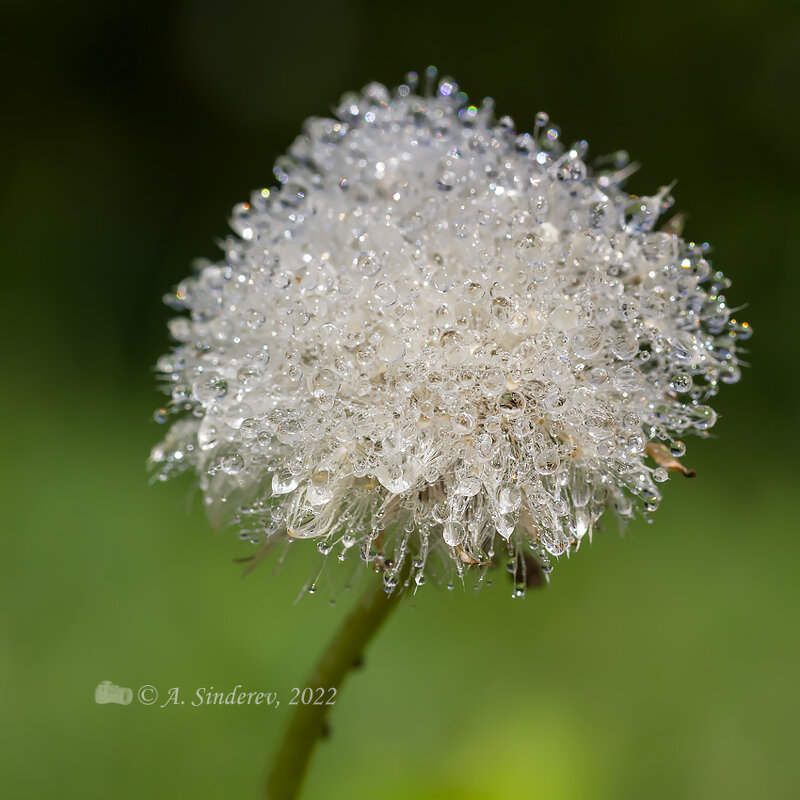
{"points": [[441, 341]]}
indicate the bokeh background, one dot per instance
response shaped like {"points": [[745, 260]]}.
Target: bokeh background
{"points": [[660, 663]]}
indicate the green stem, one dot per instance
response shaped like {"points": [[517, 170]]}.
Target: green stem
{"points": [[307, 724]]}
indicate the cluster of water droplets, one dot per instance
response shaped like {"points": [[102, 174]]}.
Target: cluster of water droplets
{"points": [[439, 343]]}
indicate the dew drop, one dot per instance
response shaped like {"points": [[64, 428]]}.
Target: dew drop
{"points": [[254, 319], [677, 448], [680, 383], [529, 249], [391, 348], [660, 474], [440, 512], [232, 463], [468, 487], [385, 293], [368, 264], [284, 481], [473, 292], [453, 533], [509, 498]]}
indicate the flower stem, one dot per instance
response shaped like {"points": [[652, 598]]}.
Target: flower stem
{"points": [[307, 725]]}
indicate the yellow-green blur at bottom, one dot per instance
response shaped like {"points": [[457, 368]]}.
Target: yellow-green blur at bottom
{"points": [[661, 663]]}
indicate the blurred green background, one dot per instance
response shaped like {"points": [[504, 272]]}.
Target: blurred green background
{"points": [[659, 663]]}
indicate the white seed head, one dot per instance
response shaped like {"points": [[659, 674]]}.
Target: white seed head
{"points": [[443, 341]]}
